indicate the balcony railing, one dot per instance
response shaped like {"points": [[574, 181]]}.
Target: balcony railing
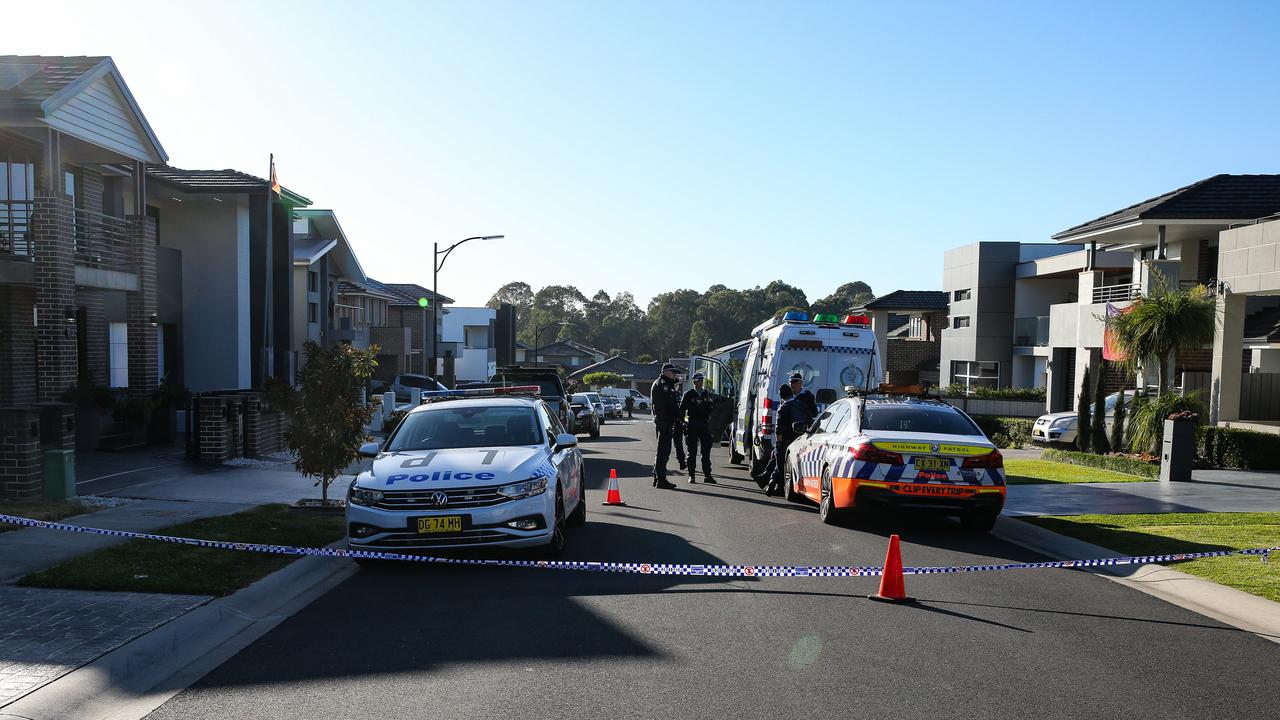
{"points": [[102, 242], [15, 228], [349, 317], [1031, 331], [1116, 293]]}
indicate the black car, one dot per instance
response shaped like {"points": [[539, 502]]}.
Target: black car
{"points": [[551, 388]]}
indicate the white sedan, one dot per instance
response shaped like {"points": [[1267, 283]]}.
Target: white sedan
{"points": [[470, 468]]}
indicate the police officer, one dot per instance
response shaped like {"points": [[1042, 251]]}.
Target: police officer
{"points": [[696, 407], [795, 410], [677, 432], [630, 403], [666, 412], [804, 396]]}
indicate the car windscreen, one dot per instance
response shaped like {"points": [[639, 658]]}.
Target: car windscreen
{"points": [[580, 399], [905, 418], [463, 427]]}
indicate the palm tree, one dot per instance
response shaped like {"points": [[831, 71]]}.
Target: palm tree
{"points": [[1165, 321]]}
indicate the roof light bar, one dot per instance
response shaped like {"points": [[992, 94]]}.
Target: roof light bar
{"points": [[481, 392], [857, 320], [826, 318], [796, 316]]}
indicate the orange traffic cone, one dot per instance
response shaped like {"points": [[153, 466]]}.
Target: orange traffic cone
{"points": [[892, 586], [614, 497]]}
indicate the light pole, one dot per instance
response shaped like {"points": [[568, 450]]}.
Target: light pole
{"points": [[537, 330], [437, 262]]}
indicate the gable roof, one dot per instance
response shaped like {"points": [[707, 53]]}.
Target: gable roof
{"points": [[406, 293], [219, 181], [36, 87], [905, 300], [363, 287], [568, 347], [1221, 197], [624, 367]]}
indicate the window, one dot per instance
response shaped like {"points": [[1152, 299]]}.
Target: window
{"points": [[118, 354], [961, 322], [833, 418], [917, 326], [17, 188], [466, 427], [301, 226], [973, 374], [902, 417], [965, 294], [313, 312], [113, 196], [477, 336], [313, 281]]}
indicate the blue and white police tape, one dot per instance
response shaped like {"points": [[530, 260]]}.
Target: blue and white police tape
{"points": [[734, 571]]}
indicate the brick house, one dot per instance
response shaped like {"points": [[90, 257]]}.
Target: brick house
{"points": [[400, 337], [908, 326]]}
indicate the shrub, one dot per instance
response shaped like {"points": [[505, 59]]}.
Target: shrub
{"points": [[1146, 430], [1238, 449], [1005, 432], [1101, 445], [604, 378], [1084, 423], [1117, 463], [1117, 426], [986, 393]]}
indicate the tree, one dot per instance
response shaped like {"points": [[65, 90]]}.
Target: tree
{"points": [[671, 317], [326, 414], [604, 379], [1099, 429], [518, 294], [1146, 431], [844, 299], [644, 358], [699, 337], [1083, 426], [1166, 321], [1117, 425]]}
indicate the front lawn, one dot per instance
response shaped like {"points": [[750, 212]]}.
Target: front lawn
{"points": [[1187, 532], [47, 510], [161, 567], [1020, 471]]}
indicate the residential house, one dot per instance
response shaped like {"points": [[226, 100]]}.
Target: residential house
{"points": [[637, 375], [908, 327], [224, 277], [400, 337], [322, 258], [467, 344], [569, 354], [361, 306]]}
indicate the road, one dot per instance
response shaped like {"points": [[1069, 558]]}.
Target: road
{"points": [[482, 642]]}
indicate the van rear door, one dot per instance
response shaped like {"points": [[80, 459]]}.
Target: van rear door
{"points": [[722, 383]]}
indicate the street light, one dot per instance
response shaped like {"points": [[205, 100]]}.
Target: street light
{"points": [[437, 262], [537, 330]]}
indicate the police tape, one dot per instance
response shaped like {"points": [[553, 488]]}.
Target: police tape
{"points": [[714, 570]]}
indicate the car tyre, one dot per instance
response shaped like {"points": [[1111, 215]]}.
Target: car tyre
{"points": [[789, 487], [578, 517], [644, 407], [595, 433], [979, 521], [828, 513], [555, 548]]}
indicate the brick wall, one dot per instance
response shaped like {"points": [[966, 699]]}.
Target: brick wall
{"points": [[21, 472], [143, 365], [393, 345], [911, 355], [1200, 360], [1115, 378], [57, 426], [94, 302], [213, 429], [55, 295], [17, 346]]}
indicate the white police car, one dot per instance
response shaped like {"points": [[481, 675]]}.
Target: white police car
{"points": [[470, 468]]}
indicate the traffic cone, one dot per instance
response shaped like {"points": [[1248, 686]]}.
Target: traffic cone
{"points": [[614, 497], [892, 586]]}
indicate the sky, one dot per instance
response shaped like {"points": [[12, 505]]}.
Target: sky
{"points": [[650, 146]]}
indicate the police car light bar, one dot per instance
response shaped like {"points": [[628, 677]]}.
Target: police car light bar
{"points": [[857, 320], [796, 316], [481, 392]]}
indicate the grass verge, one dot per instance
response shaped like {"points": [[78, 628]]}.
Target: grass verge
{"points": [[160, 567], [1187, 532], [48, 510], [1019, 471]]}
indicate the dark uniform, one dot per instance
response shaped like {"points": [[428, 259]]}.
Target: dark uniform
{"points": [[666, 411], [677, 432], [630, 403], [696, 407], [792, 411], [804, 396]]}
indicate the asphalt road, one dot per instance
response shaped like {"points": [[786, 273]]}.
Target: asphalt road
{"points": [[479, 642]]}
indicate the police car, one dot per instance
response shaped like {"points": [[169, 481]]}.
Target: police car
{"points": [[490, 467], [897, 449]]}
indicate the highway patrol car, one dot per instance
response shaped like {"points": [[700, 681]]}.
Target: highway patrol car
{"points": [[899, 450], [470, 468]]}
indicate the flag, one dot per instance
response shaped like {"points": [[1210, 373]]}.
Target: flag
{"points": [[1109, 349], [275, 182]]}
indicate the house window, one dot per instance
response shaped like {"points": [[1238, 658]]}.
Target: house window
{"points": [[973, 374], [313, 312], [477, 336], [17, 188], [301, 226], [313, 281], [965, 294], [113, 196], [118, 354], [961, 322], [917, 326]]}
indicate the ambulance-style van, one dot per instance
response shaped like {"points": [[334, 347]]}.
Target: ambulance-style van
{"points": [[830, 353]]}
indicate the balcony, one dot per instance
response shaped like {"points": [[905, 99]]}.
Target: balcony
{"points": [[15, 228], [1116, 293], [1031, 331], [349, 325]]}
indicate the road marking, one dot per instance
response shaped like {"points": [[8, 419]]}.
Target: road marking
{"points": [[126, 472]]}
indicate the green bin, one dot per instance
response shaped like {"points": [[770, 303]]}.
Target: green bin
{"points": [[59, 474]]}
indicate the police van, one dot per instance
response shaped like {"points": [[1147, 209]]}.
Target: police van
{"points": [[829, 352]]}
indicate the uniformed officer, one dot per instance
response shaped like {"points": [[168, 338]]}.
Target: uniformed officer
{"points": [[696, 408], [677, 432], [794, 410], [804, 396], [666, 411], [630, 403]]}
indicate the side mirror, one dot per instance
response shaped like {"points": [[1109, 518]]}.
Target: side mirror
{"points": [[565, 441], [369, 449], [799, 428]]}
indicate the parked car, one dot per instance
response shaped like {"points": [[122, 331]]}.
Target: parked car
{"points": [[584, 415], [614, 406], [1060, 427], [552, 388], [639, 400], [408, 387], [598, 403]]}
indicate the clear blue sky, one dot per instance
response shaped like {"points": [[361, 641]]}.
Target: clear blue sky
{"points": [[657, 145]]}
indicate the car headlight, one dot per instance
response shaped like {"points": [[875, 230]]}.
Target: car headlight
{"points": [[1063, 422], [363, 496], [528, 488]]}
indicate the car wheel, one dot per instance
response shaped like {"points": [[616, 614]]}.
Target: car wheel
{"points": [[789, 487], [555, 548], [644, 407], [979, 521], [827, 510], [578, 517], [595, 433]]}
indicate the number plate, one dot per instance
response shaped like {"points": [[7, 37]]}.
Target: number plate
{"points": [[932, 463], [443, 524]]}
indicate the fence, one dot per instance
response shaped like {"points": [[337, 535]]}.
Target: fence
{"points": [[15, 227], [1260, 396], [1003, 408]]}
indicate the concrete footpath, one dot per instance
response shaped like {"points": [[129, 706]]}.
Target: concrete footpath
{"points": [[1208, 491], [46, 633]]}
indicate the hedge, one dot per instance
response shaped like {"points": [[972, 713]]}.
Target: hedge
{"points": [[1126, 465], [1005, 431], [986, 393], [1238, 449]]}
